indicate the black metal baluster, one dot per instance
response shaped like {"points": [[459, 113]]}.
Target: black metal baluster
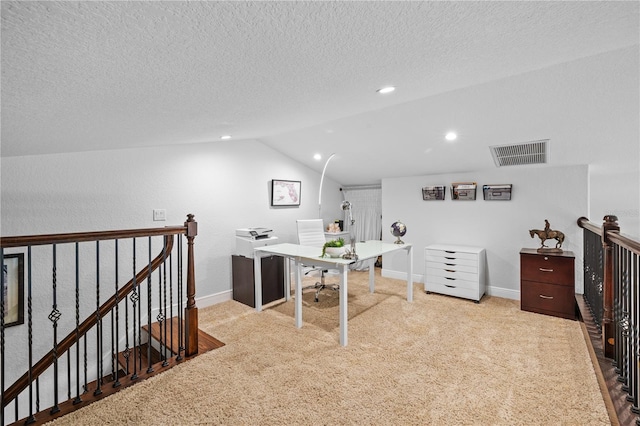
{"points": [[54, 316], [127, 350], [134, 300], [171, 297], [38, 394], [617, 318], [160, 318], [31, 417], [86, 368], [69, 374], [114, 352], [635, 277], [77, 399], [98, 390], [149, 281]]}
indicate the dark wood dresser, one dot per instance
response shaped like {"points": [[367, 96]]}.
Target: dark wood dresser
{"points": [[547, 283]]}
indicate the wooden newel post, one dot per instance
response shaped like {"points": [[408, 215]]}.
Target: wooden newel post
{"points": [[608, 325], [191, 311]]}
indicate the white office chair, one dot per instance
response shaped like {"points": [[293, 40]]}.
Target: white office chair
{"points": [[311, 233]]}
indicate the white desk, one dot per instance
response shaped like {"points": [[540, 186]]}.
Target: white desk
{"points": [[367, 251]]}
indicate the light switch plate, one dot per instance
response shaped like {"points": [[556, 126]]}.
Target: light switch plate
{"points": [[159, 214]]}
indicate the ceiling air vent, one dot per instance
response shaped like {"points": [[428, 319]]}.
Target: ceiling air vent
{"points": [[536, 152]]}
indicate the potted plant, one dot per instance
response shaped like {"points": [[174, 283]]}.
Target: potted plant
{"points": [[333, 248]]}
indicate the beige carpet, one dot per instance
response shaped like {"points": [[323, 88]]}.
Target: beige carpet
{"points": [[438, 360]]}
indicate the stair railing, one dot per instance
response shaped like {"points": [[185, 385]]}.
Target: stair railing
{"points": [[612, 293], [60, 277]]}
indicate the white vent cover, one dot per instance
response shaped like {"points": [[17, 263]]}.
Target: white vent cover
{"points": [[536, 152]]}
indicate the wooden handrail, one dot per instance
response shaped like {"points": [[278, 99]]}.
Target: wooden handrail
{"points": [[35, 240], [613, 236], [46, 361]]}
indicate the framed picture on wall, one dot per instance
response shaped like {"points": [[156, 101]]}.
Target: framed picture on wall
{"points": [[13, 289], [285, 192]]}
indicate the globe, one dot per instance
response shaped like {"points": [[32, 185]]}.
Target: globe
{"points": [[398, 229]]}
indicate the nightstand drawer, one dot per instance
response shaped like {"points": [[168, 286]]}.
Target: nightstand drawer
{"points": [[558, 300], [548, 269]]}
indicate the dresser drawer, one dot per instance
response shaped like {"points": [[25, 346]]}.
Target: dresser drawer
{"points": [[548, 269], [451, 282], [450, 290], [558, 300], [451, 261], [453, 267], [452, 274], [451, 255]]}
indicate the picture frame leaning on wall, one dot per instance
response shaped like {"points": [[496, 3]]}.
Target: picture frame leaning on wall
{"points": [[13, 289]]}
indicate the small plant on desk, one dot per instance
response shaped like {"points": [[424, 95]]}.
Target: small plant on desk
{"points": [[339, 243]]}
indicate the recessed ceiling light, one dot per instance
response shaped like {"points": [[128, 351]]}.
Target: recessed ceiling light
{"points": [[317, 157], [225, 137], [451, 136], [385, 90]]}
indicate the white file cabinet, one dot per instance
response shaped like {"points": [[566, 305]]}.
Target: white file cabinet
{"points": [[455, 270]]}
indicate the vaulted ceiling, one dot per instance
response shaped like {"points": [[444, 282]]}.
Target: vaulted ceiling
{"points": [[299, 76]]}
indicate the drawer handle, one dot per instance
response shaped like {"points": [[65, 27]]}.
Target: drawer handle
{"points": [[447, 251], [450, 286], [546, 297], [450, 258], [450, 278], [450, 270], [546, 270], [450, 264]]}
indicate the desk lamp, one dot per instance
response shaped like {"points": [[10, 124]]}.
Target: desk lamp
{"points": [[350, 254]]}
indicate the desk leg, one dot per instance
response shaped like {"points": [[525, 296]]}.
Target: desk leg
{"points": [[257, 272], [298, 294], [287, 279], [410, 274], [343, 305], [372, 274]]}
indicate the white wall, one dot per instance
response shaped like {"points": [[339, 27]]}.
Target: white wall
{"points": [[501, 227], [225, 184]]}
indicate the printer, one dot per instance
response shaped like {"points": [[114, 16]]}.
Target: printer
{"points": [[254, 233], [249, 238]]}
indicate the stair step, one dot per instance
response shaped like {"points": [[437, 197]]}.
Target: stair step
{"points": [[205, 341], [127, 364]]}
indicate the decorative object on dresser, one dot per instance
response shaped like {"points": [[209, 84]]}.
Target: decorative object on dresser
{"points": [[547, 283], [548, 234], [398, 229], [455, 271]]}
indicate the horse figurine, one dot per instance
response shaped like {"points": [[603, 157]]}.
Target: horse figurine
{"points": [[547, 234]]}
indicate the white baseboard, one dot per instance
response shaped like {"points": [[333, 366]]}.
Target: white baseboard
{"points": [[213, 299], [505, 293]]}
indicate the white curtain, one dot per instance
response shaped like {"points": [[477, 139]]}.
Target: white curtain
{"points": [[366, 209]]}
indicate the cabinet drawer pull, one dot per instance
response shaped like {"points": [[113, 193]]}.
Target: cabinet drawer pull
{"points": [[546, 297], [447, 251], [546, 270], [450, 264], [450, 258], [450, 270], [450, 286], [449, 278]]}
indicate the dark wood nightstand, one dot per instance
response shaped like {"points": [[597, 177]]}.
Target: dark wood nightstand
{"points": [[547, 283]]}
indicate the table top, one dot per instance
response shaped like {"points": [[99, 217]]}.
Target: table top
{"points": [[365, 250]]}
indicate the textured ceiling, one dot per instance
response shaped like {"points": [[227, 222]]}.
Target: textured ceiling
{"points": [[92, 75]]}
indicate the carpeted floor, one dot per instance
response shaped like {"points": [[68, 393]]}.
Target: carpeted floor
{"points": [[438, 360]]}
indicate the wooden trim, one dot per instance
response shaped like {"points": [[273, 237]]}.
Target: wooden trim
{"points": [[36, 240]]}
